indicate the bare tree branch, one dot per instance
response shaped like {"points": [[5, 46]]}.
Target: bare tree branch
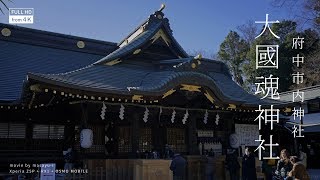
{"points": [[248, 31], [4, 4]]}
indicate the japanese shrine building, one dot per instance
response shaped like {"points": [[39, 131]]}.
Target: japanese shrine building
{"points": [[136, 95]]}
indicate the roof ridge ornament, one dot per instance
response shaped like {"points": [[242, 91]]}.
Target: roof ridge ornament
{"points": [[162, 7], [196, 61], [159, 14], [198, 57]]}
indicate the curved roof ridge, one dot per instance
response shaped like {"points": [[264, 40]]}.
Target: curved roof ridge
{"points": [[132, 45], [142, 34], [61, 74]]}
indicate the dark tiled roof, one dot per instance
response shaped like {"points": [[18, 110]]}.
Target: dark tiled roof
{"points": [[29, 50], [17, 59], [56, 40], [127, 80], [230, 90], [310, 93]]}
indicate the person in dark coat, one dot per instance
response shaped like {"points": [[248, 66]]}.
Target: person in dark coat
{"points": [[233, 165], [284, 165], [178, 167], [249, 165], [210, 165], [69, 157], [168, 153], [266, 167]]}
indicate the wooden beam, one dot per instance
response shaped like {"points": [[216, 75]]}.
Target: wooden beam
{"points": [[35, 88], [209, 97], [191, 88], [161, 34], [168, 93], [137, 97], [232, 106]]}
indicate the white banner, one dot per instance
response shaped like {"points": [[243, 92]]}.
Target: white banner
{"points": [[247, 134]]}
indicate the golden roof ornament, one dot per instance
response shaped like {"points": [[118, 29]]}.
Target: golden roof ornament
{"points": [[198, 57], [81, 44], [6, 32]]}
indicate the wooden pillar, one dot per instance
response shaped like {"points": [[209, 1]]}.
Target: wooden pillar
{"points": [[83, 125], [192, 135], [69, 134], [29, 135], [135, 131], [84, 116], [158, 133], [229, 121]]}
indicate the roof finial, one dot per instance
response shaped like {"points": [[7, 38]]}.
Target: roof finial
{"points": [[162, 7], [199, 56]]}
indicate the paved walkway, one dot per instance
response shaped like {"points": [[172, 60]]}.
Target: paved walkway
{"points": [[314, 174]]}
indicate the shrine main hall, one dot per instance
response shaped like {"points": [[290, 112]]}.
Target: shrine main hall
{"points": [[115, 103]]}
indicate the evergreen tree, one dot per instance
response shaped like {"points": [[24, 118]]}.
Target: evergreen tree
{"points": [[233, 52]]}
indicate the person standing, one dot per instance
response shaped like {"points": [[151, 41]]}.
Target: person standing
{"points": [[168, 153], [69, 159], [267, 164], [178, 167], [233, 165], [283, 166], [303, 157], [210, 166], [311, 156], [249, 165], [298, 171]]}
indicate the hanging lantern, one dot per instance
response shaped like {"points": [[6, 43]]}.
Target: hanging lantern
{"points": [[86, 138]]}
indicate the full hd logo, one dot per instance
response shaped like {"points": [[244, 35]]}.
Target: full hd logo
{"points": [[21, 15]]}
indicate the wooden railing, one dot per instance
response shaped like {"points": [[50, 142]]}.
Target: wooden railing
{"points": [[116, 169]]}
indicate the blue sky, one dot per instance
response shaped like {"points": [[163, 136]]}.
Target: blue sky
{"points": [[197, 25]]}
